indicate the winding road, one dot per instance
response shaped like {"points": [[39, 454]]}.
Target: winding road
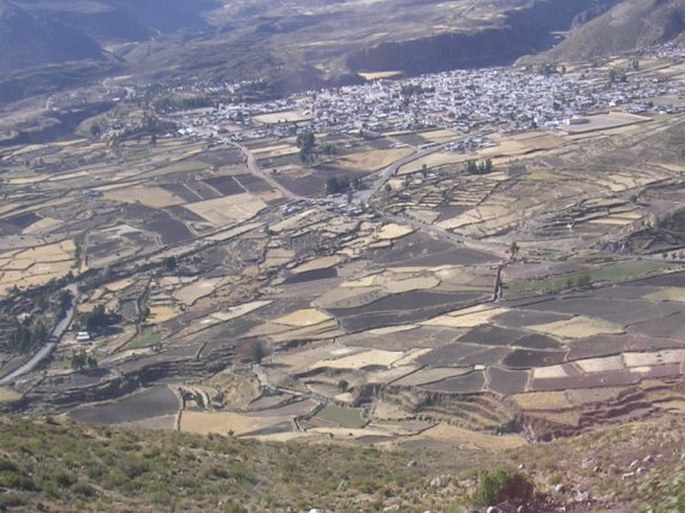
{"points": [[50, 344]]}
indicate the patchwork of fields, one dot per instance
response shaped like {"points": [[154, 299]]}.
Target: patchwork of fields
{"points": [[426, 305]]}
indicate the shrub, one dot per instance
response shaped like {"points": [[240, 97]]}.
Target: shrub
{"points": [[7, 466], [499, 485], [83, 490], [584, 280], [63, 479], [17, 481]]}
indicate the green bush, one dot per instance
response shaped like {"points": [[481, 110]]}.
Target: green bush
{"points": [[584, 280], [499, 485], [7, 466], [16, 481], [83, 490]]}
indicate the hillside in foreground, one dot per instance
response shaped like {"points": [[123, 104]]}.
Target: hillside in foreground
{"points": [[65, 466]]}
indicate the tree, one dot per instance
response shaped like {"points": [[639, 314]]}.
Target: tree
{"points": [[482, 168], [584, 280], [79, 360], [499, 485], [96, 320], [306, 142], [514, 249], [170, 263], [337, 185], [388, 191], [256, 351], [95, 131]]}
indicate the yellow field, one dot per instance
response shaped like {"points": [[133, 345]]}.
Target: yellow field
{"points": [[306, 317], [378, 75], [162, 313], [668, 294], [318, 263], [371, 160], [286, 116], [188, 294], [36, 266], [9, 395], [418, 283], [205, 423], [44, 225], [361, 360], [578, 327], [605, 364], [447, 433], [277, 150], [466, 318], [433, 160], [150, 196], [551, 371], [393, 231], [228, 210], [439, 136]]}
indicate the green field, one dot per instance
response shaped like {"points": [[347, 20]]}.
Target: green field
{"points": [[345, 417], [613, 273], [145, 339]]}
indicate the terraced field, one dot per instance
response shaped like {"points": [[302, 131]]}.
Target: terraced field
{"points": [[539, 300]]}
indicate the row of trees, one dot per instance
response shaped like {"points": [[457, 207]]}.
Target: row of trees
{"points": [[81, 360], [482, 168], [340, 184], [27, 335], [97, 320]]}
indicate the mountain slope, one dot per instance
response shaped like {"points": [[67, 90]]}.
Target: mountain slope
{"points": [[64, 466], [630, 25], [29, 41]]}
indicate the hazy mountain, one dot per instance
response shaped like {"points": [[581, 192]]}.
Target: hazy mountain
{"points": [[630, 25], [27, 40], [123, 20], [298, 44]]}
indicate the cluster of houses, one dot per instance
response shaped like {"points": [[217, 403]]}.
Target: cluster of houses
{"points": [[471, 102]]}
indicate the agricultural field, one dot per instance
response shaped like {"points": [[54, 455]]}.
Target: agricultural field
{"points": [[420, 305]]}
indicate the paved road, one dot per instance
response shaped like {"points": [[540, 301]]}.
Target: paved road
{"points": [[50, 343], [254, 169], [391, 170]]}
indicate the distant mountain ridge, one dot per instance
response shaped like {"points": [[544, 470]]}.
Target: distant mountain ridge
{"points": [[28, 41], [628, 26], [41, 32]]}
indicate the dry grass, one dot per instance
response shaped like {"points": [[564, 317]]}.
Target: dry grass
{"points": [[9, 395], [162, 313], [154, 197], [578, 327], [228, 210], [205, 423], [394, 231], [286, 116], [305, 317], [371, 160], [467, 317], [374, 357], [453, 434], [542, 401]]}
